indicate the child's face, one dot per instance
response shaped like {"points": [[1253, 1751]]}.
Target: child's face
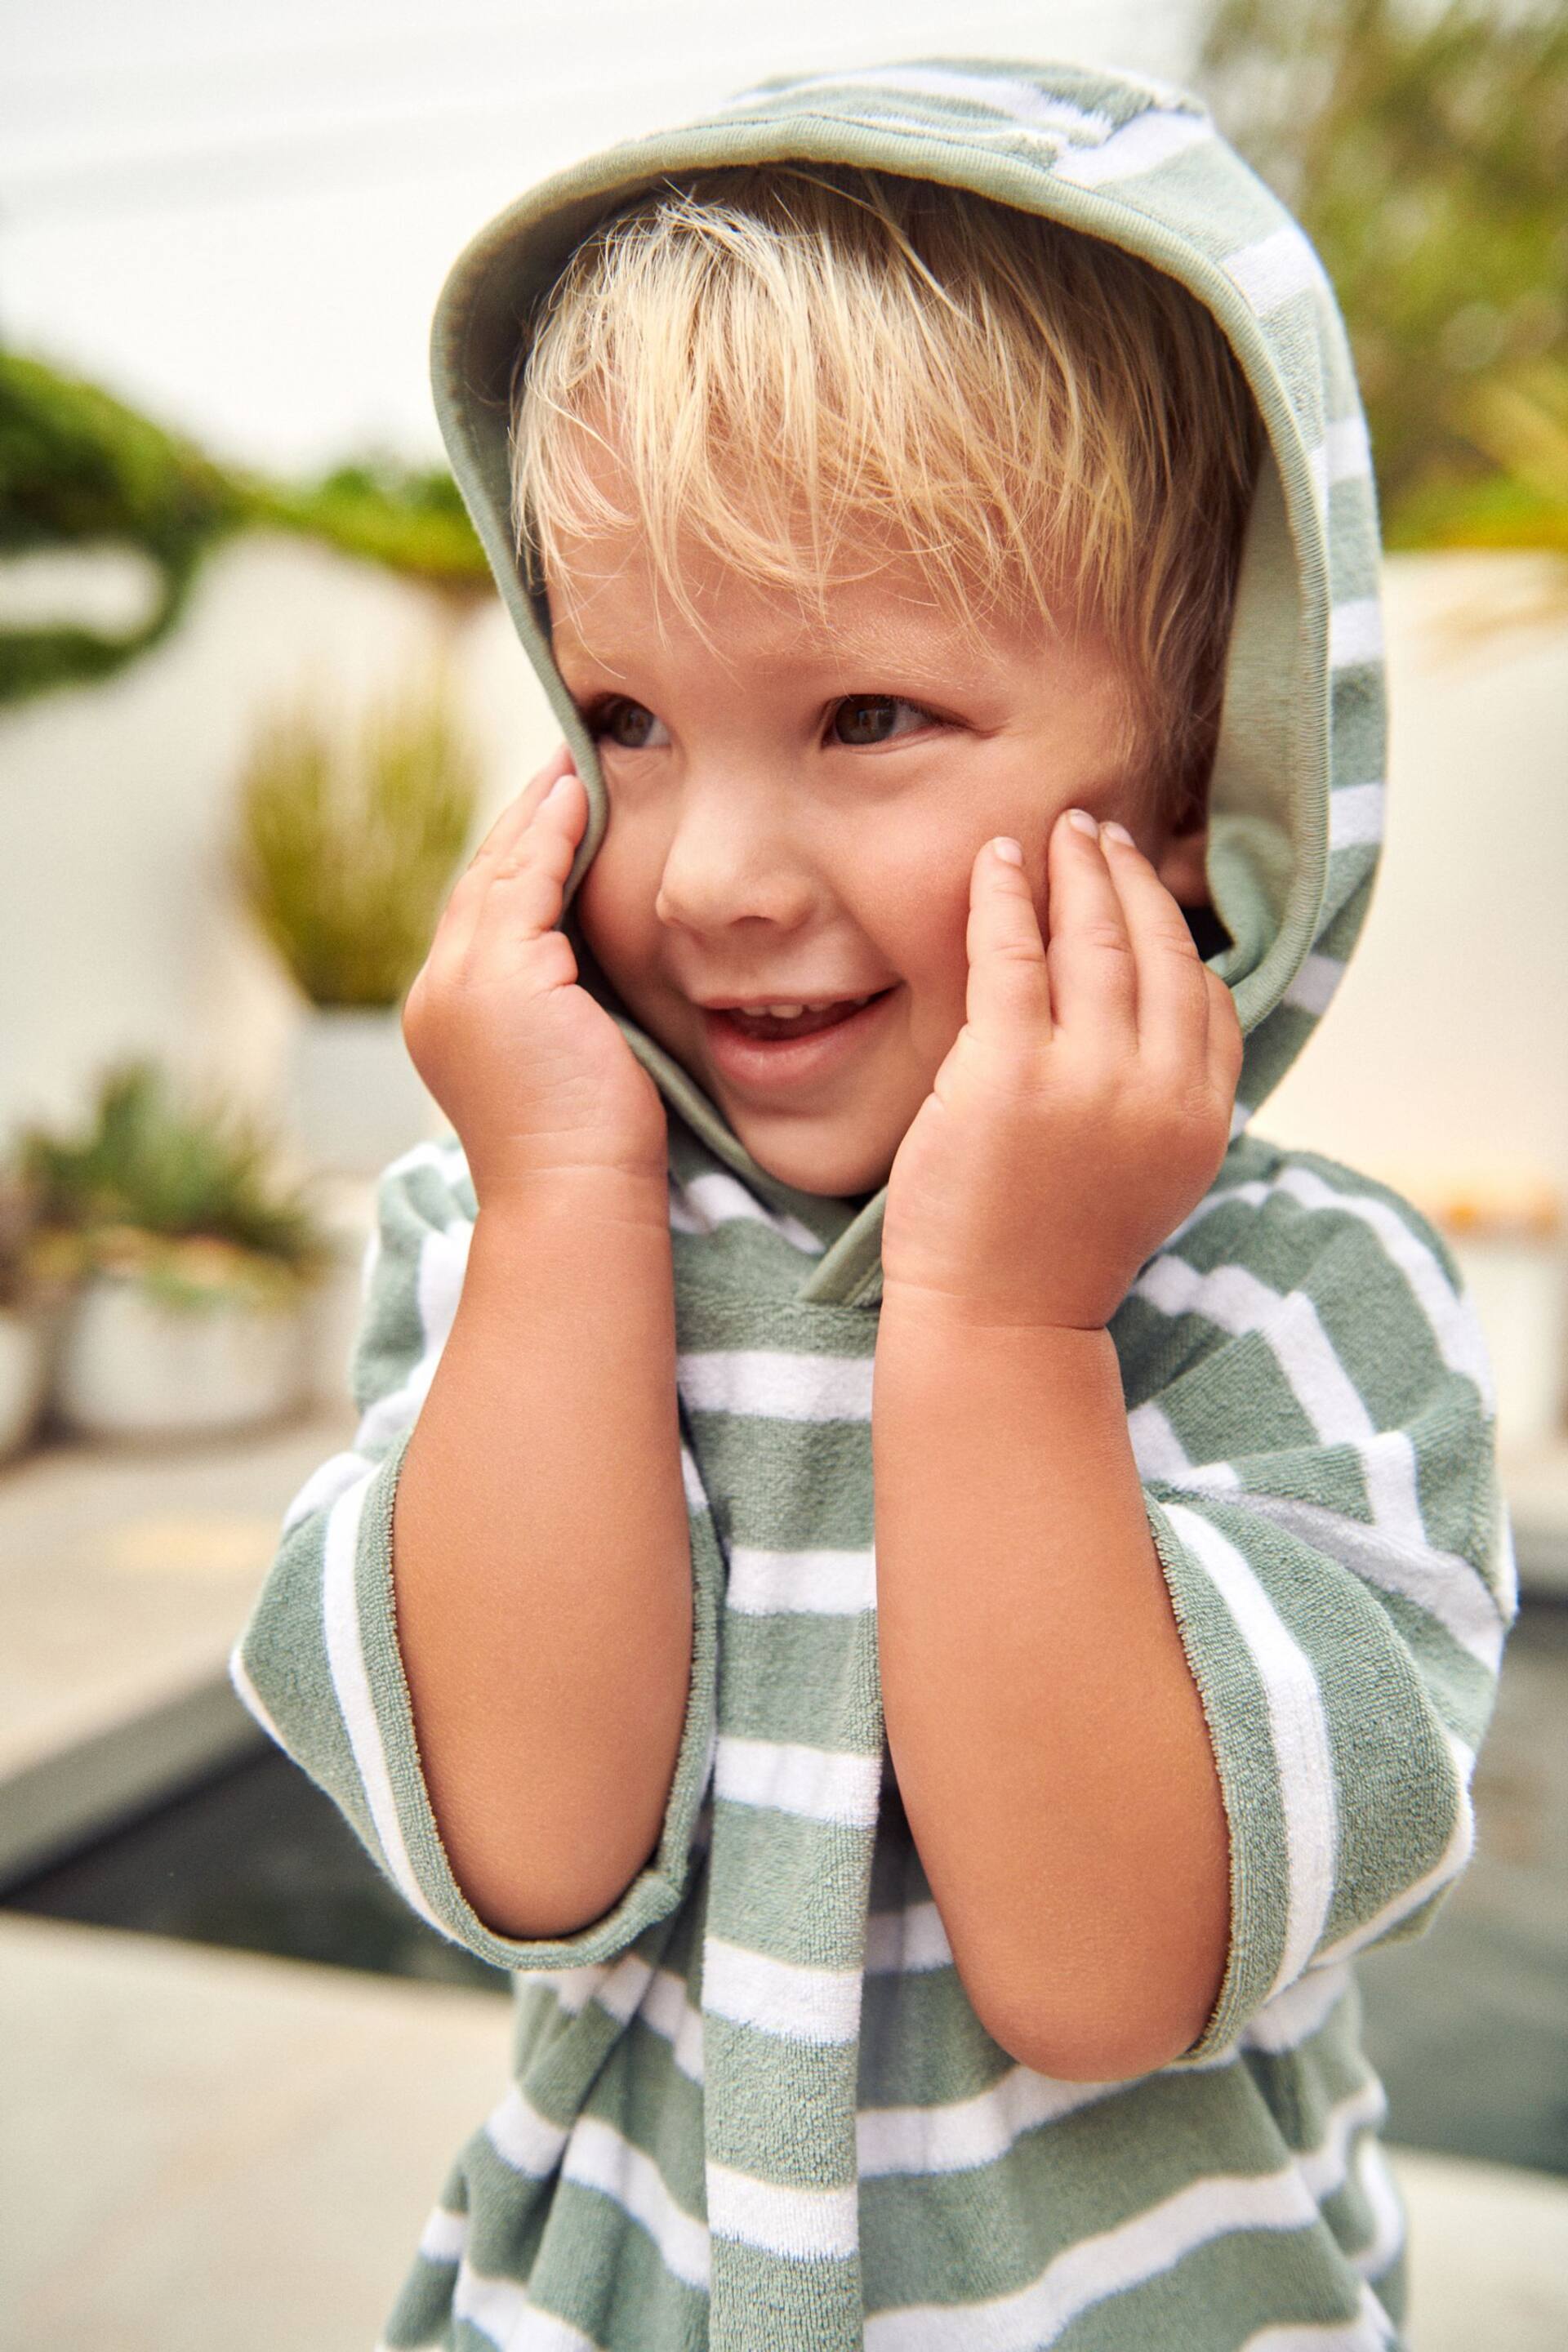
{"points": [[794, 811]]}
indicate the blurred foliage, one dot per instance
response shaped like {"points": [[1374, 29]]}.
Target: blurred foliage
{"points": [[79, 468], [348, 839], [1424, 150], [177, 1191], [19, 1269], [413, 522]]}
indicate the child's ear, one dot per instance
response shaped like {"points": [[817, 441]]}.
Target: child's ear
{"points": [[1179, 860]]}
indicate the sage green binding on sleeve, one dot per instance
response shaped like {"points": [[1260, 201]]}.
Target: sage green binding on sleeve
{"points": [[752, 2107]]}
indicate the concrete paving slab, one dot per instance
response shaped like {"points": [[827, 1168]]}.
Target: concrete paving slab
{"points": [[125, 1574], [206, 2148], [201, 2149]]}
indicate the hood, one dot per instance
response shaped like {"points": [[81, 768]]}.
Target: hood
{"points": [[1296, 801]]}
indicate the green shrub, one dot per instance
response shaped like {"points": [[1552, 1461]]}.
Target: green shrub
{"points": [[1424, 150]]}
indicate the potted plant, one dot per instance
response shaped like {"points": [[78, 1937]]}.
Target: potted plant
{"points": [[27, 1304], [348, 839], [190, 1266]]}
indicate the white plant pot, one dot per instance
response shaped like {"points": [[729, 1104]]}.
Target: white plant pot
{"points": [[132, 1365], [24, 1377], [1518, 1283], [357, 1099]]}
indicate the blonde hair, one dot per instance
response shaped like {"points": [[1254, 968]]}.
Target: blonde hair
{"points": [[760, 361]]}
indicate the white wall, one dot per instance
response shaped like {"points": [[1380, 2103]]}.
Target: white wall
{"points": [[1445, 1054], [119, 925]]}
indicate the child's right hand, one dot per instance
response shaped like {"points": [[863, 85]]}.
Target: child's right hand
{"points": [[530, 1069]]}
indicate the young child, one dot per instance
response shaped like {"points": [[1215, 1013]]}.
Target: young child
{"points": [[947, 538]]}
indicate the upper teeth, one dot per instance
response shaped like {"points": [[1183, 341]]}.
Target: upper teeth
{"points": [[790, 1011]]}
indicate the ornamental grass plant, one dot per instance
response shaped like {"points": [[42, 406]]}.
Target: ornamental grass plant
{"points": [[174, 1189], [348, 839]]}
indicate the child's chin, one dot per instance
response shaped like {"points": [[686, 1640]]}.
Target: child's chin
{"points": [[811, 1164]]}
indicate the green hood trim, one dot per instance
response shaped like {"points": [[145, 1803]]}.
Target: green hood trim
{"points": [[1296, 803]]}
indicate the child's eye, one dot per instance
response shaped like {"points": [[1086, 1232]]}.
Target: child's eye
{"points": [[862, 718], [631, 726]]}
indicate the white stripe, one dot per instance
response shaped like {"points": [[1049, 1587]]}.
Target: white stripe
{"points": [[1355, 632], [1140, 145], [1368, 2333], [777, 1386], [597, 2156], [1343, 455], [1456, 1330], [691, 1481], [667, 2011], [322, 1488], [1120, 2258], [1455, 1326], [1439, 1583], [1300, 1732], [1274, 269], [907, 1942], [1239, 1302], [1347, 448], [624, 1985], [803, 2224], [524, 2140], [960, 2134], [574, 1988], [716, 1197], [816, 1583], [499, 2308], [796, 2005], [1448, 1867], [247, 1692], [1313, 985], [1159, 1452], [351, 1682], [1381, 2190], [443, 1261], [1356, 815], [1020, 101], [1302, 2009], [1325, 2167], [1095, 2268], [444, 2236], [815, 1782]]}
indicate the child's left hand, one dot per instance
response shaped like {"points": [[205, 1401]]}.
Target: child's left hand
{"points": [[1084, 1106]]}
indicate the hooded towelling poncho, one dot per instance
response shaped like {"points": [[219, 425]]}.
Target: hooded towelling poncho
{"points": [[752, 2107]]}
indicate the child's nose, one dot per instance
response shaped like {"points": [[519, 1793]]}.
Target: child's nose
{"points": [[722, 866]]}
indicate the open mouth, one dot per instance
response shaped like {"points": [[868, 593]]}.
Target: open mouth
{"points": [[790, 1045], [765, 1023]]}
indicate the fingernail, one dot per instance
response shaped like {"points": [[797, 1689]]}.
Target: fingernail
{"points": [[1008, 850], [1114, 832], [557, 788], [1084, 822]]}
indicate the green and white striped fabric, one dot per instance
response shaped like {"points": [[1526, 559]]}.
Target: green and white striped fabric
{"points": [[752, 2109]]}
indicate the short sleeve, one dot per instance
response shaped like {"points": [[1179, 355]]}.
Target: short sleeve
{"points": [[1314, 1429], [318, 1665]]}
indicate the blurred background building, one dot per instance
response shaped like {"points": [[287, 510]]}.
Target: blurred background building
{"points": [[252, 676]]}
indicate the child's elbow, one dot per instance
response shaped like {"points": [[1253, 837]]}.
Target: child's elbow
{"points": [[1103, 2033]]}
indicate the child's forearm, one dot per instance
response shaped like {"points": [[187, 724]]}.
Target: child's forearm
{"points": [[1047, 1734], [541, 1555]]}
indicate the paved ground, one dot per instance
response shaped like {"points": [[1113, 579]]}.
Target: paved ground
{"points": [[125, 1574], [209, 2149]]}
